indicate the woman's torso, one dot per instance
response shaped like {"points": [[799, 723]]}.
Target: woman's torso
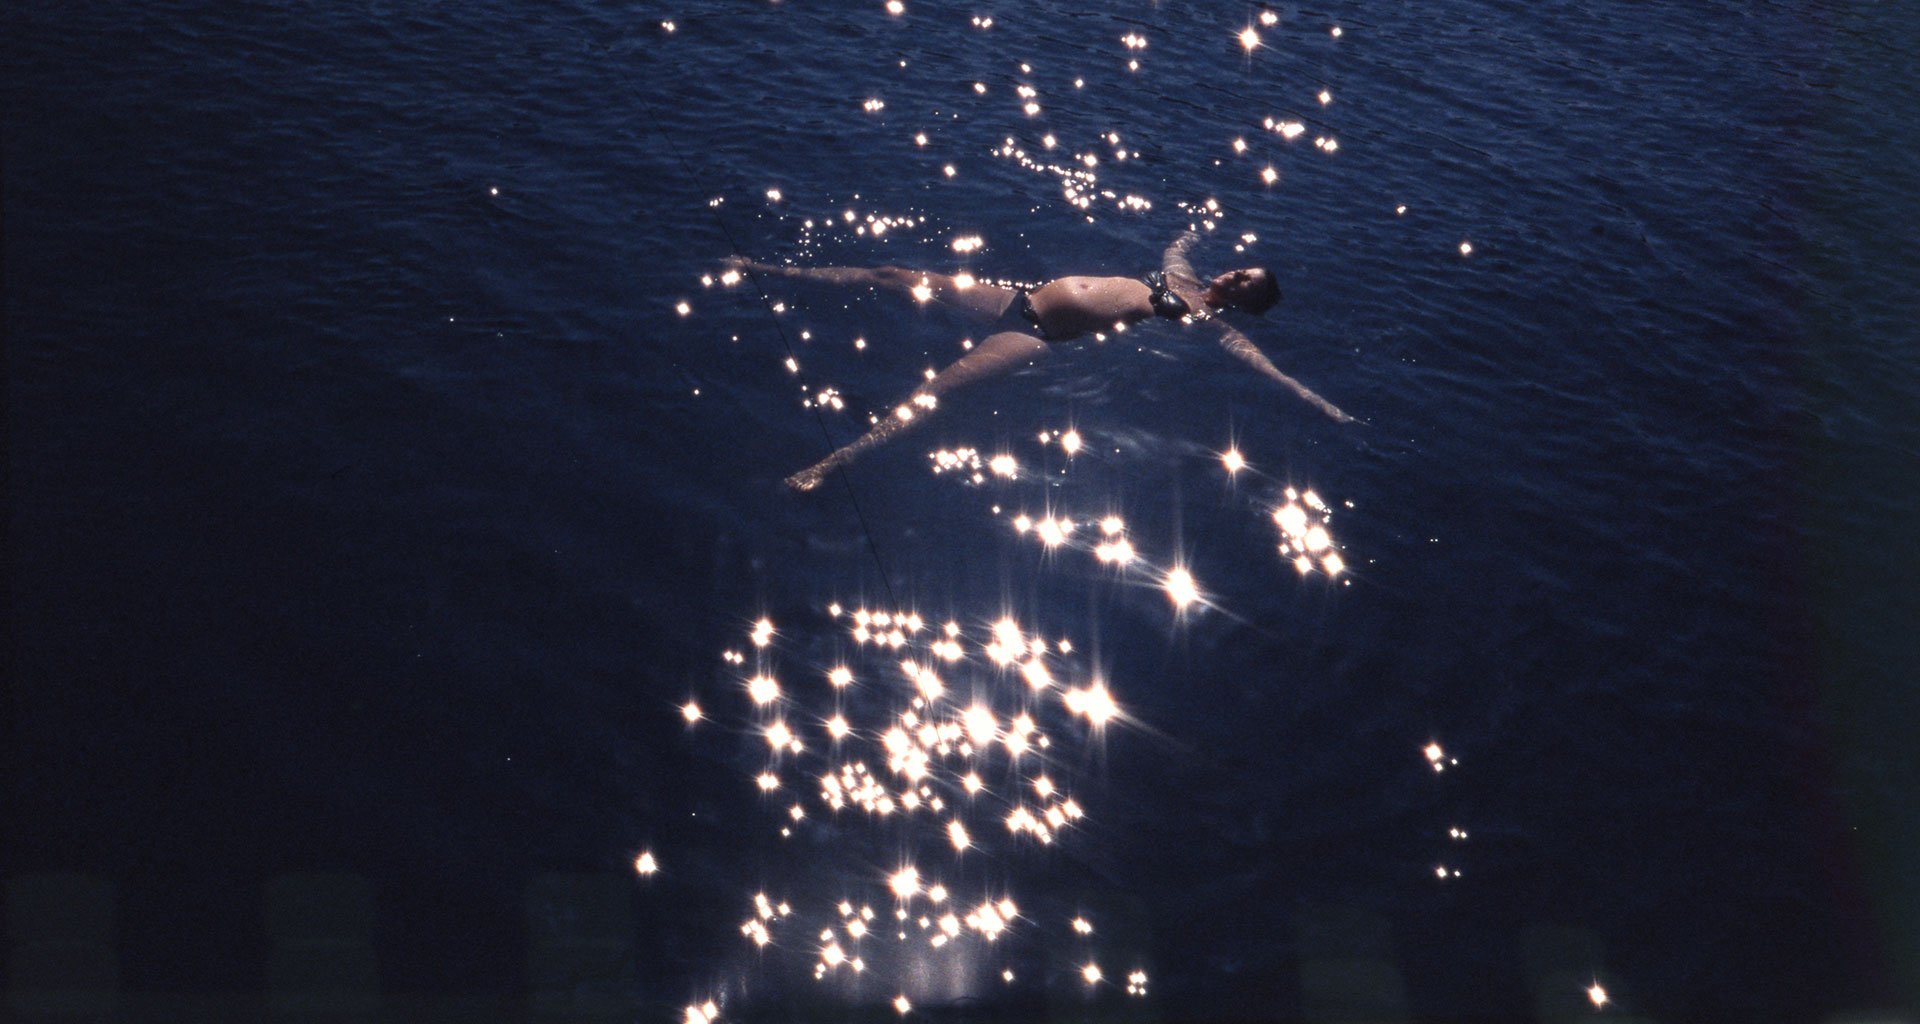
{"points": [[1068, 307]]}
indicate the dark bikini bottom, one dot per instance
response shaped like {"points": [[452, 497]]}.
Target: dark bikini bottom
{"points": [[1021, 309]]}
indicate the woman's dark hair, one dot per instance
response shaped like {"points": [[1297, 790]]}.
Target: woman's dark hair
{"points": [[1262, 294]]}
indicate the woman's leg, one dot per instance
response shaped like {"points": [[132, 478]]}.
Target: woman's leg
{"points": [[991, 358], [965, 295]]}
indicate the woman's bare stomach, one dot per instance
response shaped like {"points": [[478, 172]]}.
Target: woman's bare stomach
{"points": [[1071, 306]]}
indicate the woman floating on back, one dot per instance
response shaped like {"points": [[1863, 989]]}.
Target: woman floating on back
{"points": [[1060, 310]]}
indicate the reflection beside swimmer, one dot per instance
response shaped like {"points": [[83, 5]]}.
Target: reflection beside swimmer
{"points": [[1029, 319]]}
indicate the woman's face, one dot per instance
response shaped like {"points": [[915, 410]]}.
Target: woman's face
{"points": [[1235, 286]]}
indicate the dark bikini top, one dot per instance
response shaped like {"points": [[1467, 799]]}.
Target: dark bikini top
{"points": [[1167, 303]]}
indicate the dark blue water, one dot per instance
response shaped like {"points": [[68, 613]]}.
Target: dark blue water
{"points": [[372, 508]]}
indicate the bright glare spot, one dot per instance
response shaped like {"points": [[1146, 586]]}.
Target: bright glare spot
{"points": [[949, 170], [1070, 441], [1003, 466], [1080, 925], [682, 308], [837, 727], [778, 735], [1324, 97], [1094, 702], [1269, 18], [1115, 552], [922, 292], [1466, 248], [1091, 972], [1181, 588], [980, 725], [763, 690], [905, 882], [762, 632], [841, 676], [900, 1003], [895, 7], [1335, 30], [957, 835], [1111, 525], [768, 781], [645, 864], [1233, 460], [1249, 38], [1597, 995], [1239, 145], [1269, 175]]}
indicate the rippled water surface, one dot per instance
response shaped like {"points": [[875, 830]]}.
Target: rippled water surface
{"points": [[396, 495]]}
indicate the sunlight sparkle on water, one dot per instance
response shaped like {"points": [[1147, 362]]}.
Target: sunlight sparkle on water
{"points": [[1094, 703], [904, 882], [1115, 552], [690, 711], [935, 748], [1181, 589], [1597, 995], [1233, 460], [1304, 537], [645, 864], [1249, 38]]}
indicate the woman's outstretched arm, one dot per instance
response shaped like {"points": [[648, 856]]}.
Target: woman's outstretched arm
{"points": [[1242, 349], [991, 358], [1174, 261]]}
